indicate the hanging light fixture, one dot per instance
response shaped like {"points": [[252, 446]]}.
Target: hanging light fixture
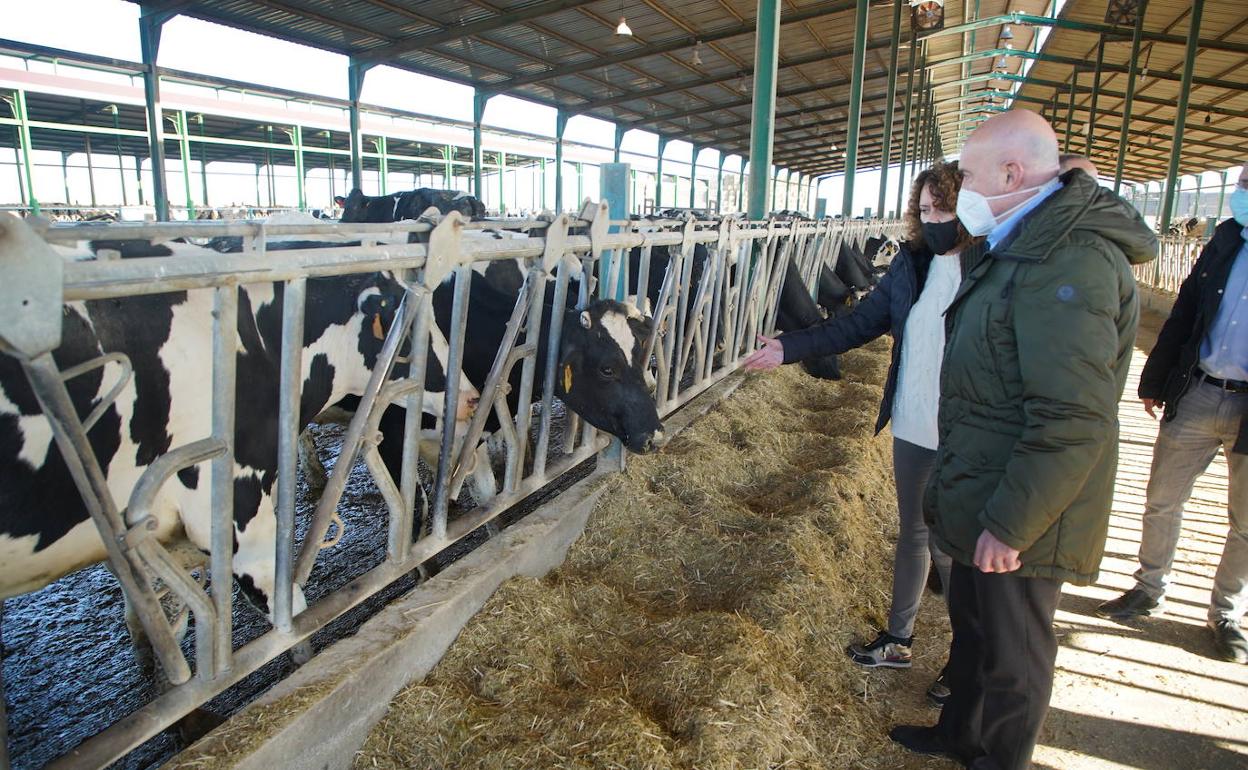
{"points": [[696, 59], [622, 28], [1007, 33]]}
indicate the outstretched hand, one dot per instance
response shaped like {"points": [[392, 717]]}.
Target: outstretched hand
{"points": [[769, 356]]}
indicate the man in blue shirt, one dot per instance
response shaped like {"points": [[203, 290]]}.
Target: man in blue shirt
{"points": [[1198, 371]]}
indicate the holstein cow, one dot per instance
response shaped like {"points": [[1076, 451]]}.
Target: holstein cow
{"points": [[45, 531], [358, 207]]}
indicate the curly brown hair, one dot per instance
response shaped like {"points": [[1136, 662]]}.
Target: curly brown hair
{"points": [[945, 180]]}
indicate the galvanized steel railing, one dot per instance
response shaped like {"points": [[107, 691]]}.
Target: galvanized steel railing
{"points": [[1175, 259], [702, 332]]}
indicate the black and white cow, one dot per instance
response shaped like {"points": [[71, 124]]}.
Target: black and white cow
{"points": [[45, 531], [358, 207]]}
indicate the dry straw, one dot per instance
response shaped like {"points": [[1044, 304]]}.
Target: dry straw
{"points": [[700, 622]]}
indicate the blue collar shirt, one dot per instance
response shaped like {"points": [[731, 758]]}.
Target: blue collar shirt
{"points": [[1224, 351]]}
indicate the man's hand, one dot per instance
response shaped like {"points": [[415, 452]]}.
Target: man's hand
{"points": [[991, 555], [1149, 405], [769, 356]]}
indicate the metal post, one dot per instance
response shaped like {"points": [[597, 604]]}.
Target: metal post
{"points": [[268, 166], [891, 95], [479, 98], [543, 171], [184, 150], [23, 140], [658, 186], [329, 143], [580, 184], [203, 159], [121, 168], [1070, 108], [620, 131], [65, 176], [296, 137], [1180, 116], [502, 182], [719, 184], [355, 85], [905, 125], [1196, 201], [86, 143], [1130, 95], [693, 176], [775, 183], [741, 185], [855, 106], [448, 173], [1090, 132], [1221, 197], [383, 163], [561, 123], [763, 112], [149, 42]]}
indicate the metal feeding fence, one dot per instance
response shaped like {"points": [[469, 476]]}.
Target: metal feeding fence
{"points": [[1175, 258], [701, 329]]}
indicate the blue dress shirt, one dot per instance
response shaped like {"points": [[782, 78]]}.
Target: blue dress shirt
{"points": [[1224, 351]]}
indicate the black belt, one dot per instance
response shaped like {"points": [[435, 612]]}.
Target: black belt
{"points": [[1234, 386]]}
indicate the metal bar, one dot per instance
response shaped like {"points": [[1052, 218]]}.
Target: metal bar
{"points": [[1180, 115], [65, 177], [447, 172], [1070, 108], [383, 165], [399, 541], [553, 339], [288, 428], [658, 174], [902, 183], [1141, 8], [620, 131], [184, 150], [86, 142], [356, 71], [693, 176], [224, 367], [763, 111], [1090, 132], [450, 403], [121, 169], [268, 168], [719, 183], [1221, 196], [561, 125], [502, 182], [149, 42], [891, 95], [479, 99], [296, 136]]}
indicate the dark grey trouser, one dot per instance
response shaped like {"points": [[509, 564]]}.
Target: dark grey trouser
{"points": [[912, 467], [1208, 418]]}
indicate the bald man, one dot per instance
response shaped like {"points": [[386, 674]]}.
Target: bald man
{"points": [[1067, 161], [1039, 340]]}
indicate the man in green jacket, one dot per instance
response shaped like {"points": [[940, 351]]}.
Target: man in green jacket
{"points": [[1038, 346]]}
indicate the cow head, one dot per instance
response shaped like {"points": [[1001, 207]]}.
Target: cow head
{"points": [[601, 372]]}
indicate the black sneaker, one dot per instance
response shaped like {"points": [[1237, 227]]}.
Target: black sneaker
{"points": [[938, 693], [1229, 641], [885, 651], [1133, 604], [924, 740]]}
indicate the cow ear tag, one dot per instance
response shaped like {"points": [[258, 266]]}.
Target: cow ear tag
{"points": [[586, 320], [377, 332], [567, 378]]}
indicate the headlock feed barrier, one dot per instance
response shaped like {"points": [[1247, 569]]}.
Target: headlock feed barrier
{"points": [[719, 289], [1175, 258]]}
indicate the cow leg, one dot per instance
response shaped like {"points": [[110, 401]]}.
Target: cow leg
{"points": [[313, 469]]}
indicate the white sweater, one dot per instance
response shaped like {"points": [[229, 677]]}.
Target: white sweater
{"points": [[922, 348]]}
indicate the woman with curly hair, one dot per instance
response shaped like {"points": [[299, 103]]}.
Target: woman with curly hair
{"points": [[909, 302]]}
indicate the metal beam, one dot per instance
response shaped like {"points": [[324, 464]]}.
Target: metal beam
{"points": [[658, 174], [905, 126], [1140, 10], [620, 131], [1180, 115], [763, 113], [479, 99], [693, 175], [149, 43], [355, 85], [891, 93], [855, 106], [561, 124], [1096, 93]]}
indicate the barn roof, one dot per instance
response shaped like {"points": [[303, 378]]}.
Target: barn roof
{"points": [[565, 54]]}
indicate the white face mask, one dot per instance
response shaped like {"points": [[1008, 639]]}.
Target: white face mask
{"points": [[976, 214]]}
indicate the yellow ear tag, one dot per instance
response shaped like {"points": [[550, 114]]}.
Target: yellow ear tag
{"points": [[377, 332], [567, 378]]}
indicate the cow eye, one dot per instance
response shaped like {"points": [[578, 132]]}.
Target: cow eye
{"points": [[608, 371]]}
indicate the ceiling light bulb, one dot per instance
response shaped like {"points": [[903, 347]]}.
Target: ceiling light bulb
{"points": [[623, 29], [1007, 33], [697, 54]]}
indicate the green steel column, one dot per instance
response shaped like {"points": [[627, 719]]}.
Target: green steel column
{"points": [[448, 173], [1070, 108], [268, 166], [203, 158], [580, 185], [184, 149], [329, 144], [86, 143], [905, 125], [891, 95], [763, 111], [658, 185], [23, 138], [561, 123], [1130, 95], [855, 106], [1221, 197], [479, 98], [149, 43], [741, 181], [719, 184], [296, 137], [1180, 116], [543, 196], [775, 183], [355, 86], [1090, 132], [383, 163], [620, 131], [1196, 201], [693, 176], [65, 177], [502, 182]]}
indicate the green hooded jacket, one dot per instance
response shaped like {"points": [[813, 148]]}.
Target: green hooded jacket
{"points": [[1039, 339]]}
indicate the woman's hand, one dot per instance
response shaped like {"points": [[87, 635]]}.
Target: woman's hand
{"points": [[769, 356]]}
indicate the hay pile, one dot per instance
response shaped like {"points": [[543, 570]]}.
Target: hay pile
{"points": [[700, 621]]}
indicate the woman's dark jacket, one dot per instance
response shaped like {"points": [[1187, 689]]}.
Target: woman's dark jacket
{"points": [[1176, 356], [885, 309]]}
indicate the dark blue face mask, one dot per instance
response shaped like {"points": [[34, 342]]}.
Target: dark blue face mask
{"points": [[940, 237]]}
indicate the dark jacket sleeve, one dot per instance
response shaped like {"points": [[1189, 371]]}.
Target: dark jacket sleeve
{"points": [[1175, 332], [871, 318]]}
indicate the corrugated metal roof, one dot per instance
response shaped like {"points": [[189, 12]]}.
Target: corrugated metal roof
{"points": [[565, 53]]}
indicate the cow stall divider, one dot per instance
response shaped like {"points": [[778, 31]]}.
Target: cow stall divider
{"points": [[700, 332]]}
